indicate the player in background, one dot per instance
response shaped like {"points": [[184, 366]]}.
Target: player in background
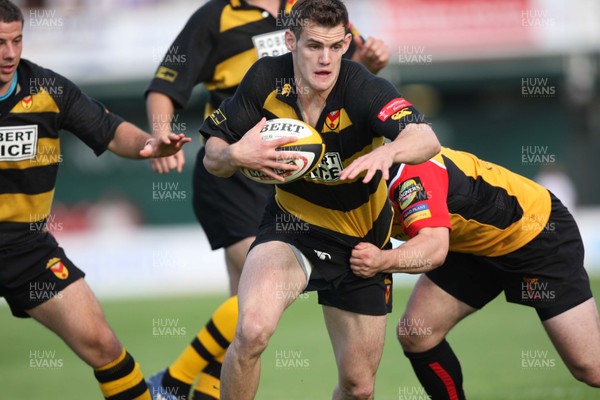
{"points": [[343, 202], [475, 229], [36, 277], [220, 42]]}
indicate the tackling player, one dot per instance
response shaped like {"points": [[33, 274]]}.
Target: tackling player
{"points": [[36, 277], [476, 229]]}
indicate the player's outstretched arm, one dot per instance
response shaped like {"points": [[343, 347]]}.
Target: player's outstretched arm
{"points": [[223, 159], [415, 144], [160, 110], [132, 142], [422, 253]]}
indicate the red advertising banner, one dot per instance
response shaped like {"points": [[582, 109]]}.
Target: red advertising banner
{"points": [[451, 28]]}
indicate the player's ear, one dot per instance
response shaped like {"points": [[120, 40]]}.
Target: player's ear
{"points": [[290, 40], [347, 41]]}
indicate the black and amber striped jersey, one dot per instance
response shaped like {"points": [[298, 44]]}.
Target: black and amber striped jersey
{"points": [[217, 46], [361, 111], [44, 103], [490, 210]]}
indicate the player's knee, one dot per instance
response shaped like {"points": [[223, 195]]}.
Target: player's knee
{"points": [[103, 346], [416, 337], [357, 390], [252, 335], [588, 374]]}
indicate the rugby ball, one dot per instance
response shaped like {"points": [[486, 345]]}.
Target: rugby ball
{"points": [[309, 146]]}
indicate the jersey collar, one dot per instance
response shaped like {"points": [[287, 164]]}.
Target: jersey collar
{"points": [[12, 87]]}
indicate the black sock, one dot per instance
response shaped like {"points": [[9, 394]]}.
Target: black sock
{"points": [[202, 396], [439, 372], [173, 386]]}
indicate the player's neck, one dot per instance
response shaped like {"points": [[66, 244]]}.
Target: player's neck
{"points": [[311, 106]]}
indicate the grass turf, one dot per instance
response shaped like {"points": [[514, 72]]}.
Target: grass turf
{"points": [[299, 363]]}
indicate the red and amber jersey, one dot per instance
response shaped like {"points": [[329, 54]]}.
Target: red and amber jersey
{"points": [[490, 210]]}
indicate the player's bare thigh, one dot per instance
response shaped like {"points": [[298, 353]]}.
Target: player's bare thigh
{"points": [[430, 314], [357, 341], [576, 335], [271, 280], [76, 316]]}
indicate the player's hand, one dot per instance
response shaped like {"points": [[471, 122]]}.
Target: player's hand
{"points": [[163, 165], [366, 260], [372, 53], [379, 159], [164, 145], [260, 155]]}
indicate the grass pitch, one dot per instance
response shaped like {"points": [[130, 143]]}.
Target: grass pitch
{"points": [[492, 346]]}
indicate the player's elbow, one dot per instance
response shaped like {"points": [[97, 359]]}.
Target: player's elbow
{"points": [[216, 168], [422, 141], [430, 142], [438, 258]]}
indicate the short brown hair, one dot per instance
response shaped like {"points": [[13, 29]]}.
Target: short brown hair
{"points": [[328, 13], [10, 12]]}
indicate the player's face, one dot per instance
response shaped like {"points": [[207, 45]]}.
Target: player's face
{"points": [[318, 56], [11, 46]]}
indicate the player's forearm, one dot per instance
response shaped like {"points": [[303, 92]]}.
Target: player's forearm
{"points": [[219, 159], [420, 254], [160, 110], [416, 144], [128, 141]]}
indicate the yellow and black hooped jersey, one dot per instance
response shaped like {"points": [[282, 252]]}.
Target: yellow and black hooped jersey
{"points": [[360, 112], [30, 120], [217, 46], [490, 210]]}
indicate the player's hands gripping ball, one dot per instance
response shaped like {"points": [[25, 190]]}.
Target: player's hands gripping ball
{"points": [[305, 152]]}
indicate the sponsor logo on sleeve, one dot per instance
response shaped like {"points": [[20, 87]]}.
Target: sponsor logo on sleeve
{"points": [[416, 213], [18, 143], [217, 117], [392, 107], [166, 74], [401, 114], [411, 191]]}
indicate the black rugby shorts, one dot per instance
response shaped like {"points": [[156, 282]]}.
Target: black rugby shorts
{"points": [[546, 274], [33, 272], [331, 276]]}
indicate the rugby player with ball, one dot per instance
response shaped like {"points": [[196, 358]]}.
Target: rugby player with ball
{"points": [[343, 201]]}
